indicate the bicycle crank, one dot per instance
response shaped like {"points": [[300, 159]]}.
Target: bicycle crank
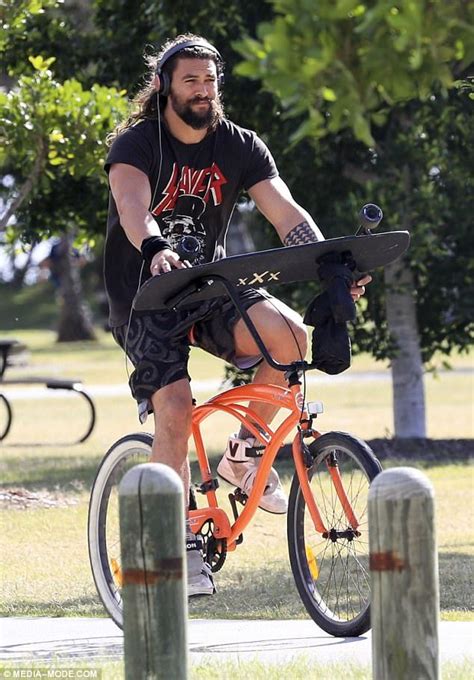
{"points": [[215, 549]]}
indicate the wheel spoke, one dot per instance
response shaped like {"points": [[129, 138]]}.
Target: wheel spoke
{"points": [[338, 599], [104, 526]]}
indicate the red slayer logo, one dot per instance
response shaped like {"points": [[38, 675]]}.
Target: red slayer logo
{"points": [[204, 183]]}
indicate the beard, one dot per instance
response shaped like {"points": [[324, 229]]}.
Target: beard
{"points": [[199, 119]]}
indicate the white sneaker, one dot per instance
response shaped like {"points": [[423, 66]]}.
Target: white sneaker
{"points": [[239, 466], [200, 581]]}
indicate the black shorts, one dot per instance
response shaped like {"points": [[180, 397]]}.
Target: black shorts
{"points": [[158, 343]]}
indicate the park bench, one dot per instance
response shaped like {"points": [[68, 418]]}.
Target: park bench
{"points": [[15, 354]]}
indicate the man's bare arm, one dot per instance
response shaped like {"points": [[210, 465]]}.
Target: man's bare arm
{"points": [[131, 191], [300, 234], [294, 224]]}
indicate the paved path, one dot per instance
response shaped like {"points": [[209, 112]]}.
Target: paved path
{"points": [[211, 385], [42, 639]]}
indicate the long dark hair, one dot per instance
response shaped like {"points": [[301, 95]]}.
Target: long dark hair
{"points": [[144, 104]]}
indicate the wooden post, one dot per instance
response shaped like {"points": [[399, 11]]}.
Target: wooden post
{"points": [[154, 573], [404, 574]]}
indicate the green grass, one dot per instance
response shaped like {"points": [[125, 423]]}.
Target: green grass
{"points": [[360, 406], [30, 307], [301, 668], [47, 570]]}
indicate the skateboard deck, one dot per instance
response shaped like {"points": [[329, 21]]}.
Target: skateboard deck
{"points": [[267, 267]]}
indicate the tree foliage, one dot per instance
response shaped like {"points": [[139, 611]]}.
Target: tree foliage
{"points": [[52, 147], [363, 89], [378, 90], [346, 64], [52, 130], [15, 15]]}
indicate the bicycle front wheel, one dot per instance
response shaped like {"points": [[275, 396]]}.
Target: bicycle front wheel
{"points": [[103, 522], [331, 570]]}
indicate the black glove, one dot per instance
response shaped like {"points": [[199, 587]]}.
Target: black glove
{"points": [[335, 273], [329, 313], [330, 341]]}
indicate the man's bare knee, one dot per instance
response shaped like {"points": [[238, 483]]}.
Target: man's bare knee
{"points": [[172, 407], [291, 344]]}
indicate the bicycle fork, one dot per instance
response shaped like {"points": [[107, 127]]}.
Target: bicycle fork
{"points": [[333, 469]]}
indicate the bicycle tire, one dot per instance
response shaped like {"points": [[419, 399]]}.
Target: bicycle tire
{"points": [[332, 573], [103, 530], [9, 413]]}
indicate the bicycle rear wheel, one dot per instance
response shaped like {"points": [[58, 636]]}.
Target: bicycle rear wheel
{"points": [[331, 571], [103, 522], [9, 416]]}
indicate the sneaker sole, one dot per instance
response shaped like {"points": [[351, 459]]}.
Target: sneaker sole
{"points": [[193, 595]]}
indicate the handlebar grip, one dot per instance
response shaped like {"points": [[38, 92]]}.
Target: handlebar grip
{"points": [[188, 248], [370, 217]]}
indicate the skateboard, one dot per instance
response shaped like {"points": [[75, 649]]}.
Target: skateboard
{"points": [[266, 267]]}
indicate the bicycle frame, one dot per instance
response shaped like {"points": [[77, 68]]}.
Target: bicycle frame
{"points": [[229, 402], [290, 398]]}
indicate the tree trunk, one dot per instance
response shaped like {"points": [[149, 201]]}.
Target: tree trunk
{"points": [[407, 365], [27, 186], [19, 273], [74, 316]]}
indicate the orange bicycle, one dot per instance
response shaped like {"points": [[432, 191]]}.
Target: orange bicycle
{"points": [[327, 509]]}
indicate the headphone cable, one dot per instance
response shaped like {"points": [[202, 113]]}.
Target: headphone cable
{"points": [[150, 209]]}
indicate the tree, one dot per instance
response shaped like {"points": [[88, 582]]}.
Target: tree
{"points": [[53, 134], [389, 76], [89, 38]]}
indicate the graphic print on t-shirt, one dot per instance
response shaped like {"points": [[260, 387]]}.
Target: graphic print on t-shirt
{"points": [[186, 196], [185, 221], [206, 183]]}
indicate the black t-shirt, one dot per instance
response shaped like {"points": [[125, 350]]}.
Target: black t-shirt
{"points": [[194, 194]]}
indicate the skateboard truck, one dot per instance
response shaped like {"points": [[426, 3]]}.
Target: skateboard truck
{"points": [[370, 217]]}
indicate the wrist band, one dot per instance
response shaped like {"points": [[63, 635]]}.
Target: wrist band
{"points": [[152, 245]]}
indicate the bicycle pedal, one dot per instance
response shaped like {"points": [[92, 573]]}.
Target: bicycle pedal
{"points": [[240, 496], [210, 485]]}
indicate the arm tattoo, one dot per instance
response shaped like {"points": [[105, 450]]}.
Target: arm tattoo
{"points": [[300, 235]]}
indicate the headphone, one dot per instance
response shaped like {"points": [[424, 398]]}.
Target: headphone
{"points": [[165, 81]]}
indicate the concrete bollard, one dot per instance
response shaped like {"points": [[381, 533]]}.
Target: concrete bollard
{"points": [[154, 593], [404, 575]]}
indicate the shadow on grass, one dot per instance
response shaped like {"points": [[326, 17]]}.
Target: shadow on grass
{"points": [[30, 307], [271, 592], [52, 473], [267, 593], [87, 605]]}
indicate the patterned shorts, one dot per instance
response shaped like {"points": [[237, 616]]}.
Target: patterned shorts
{"points": [[158, 343]]}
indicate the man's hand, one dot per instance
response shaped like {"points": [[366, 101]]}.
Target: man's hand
{"points": [[358, 287], [166, 260]]}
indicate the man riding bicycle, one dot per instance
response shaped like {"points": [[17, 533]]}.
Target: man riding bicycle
{"points": [[176, 167]]}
